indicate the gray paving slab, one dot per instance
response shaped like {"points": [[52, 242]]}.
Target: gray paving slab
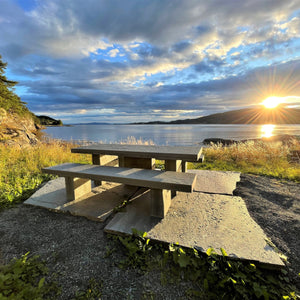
{"points": [[97, 205], [216, 182], [201, 221]]}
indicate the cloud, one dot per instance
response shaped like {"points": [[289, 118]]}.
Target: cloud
{"points": [[135, 57]]}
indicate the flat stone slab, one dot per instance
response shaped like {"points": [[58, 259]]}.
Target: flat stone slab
{"points": [[97, 205], [201, 221], [216, 182]]}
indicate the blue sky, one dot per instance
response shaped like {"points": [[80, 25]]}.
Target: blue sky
{"points": [[129, 61]]}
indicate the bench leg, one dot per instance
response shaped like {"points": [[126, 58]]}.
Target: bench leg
{"points": [[173, 165], [160, 202], [77, 187]]}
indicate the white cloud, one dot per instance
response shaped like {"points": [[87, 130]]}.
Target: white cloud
{"points": [[113, 52]]}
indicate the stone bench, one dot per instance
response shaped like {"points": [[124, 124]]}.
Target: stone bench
{"points": [[78, 176]]}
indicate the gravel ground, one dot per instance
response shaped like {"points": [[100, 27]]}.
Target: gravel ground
{"points": [[275, 205], [76, 248]]}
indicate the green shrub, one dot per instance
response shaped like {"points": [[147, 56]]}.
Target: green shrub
{"points": [[24, 278]]}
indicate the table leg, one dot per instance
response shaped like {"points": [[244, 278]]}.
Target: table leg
{"points": [[173, 165], [103, 160], [96, 160], [136, 162], [160, 202]]}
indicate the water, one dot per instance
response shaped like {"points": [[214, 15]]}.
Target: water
{"points": [[180, 135]]}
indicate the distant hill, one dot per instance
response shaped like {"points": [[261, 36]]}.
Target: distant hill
{"points": [[280, 115], [48, 121]]}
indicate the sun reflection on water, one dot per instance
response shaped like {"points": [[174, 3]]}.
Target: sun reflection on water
{"points": [[267, 130]]}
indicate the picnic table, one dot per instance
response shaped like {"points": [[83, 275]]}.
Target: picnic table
{"points": [[136, 164]]}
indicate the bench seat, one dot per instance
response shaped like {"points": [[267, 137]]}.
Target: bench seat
{"points": [[161, 183]]}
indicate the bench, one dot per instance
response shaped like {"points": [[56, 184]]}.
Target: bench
{"points": [[78, 176]]}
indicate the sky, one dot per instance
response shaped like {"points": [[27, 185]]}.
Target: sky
{"points": [[120, 61]]}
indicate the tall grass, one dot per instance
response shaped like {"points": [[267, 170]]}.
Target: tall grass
{"points": [[20, 168], [261, 158]]}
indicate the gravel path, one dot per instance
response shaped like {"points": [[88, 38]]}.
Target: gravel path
{"points": [[76, 248]]}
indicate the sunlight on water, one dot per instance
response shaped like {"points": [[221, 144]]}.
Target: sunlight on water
{"points": [[172, 135], [267, 130]]}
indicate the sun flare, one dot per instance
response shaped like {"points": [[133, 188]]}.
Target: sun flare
{"points": [[272, 102]]}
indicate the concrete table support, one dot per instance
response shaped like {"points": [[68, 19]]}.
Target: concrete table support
{"points": [[136, 162], [160, 202], [103, 160], [173, 165]]}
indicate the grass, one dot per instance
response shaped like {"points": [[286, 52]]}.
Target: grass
{"points": [[20, 168], [260, 158]]}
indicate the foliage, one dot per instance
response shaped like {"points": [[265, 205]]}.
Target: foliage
{"points": [[138, 250], [20, 169], [261, 158], [215, 276], [24, 278], [8, 99], [92, 292]]}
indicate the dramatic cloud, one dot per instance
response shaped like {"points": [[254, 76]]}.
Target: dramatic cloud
{"points": [[124, 61]]}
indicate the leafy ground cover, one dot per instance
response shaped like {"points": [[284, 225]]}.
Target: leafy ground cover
{"points": [[25, 278]]}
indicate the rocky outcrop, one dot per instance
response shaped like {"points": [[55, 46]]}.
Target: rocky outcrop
{"points": [[17, 130], [48, 121], [286, 139]]}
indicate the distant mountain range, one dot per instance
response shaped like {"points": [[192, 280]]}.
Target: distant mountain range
{"points": [[279, 115]]}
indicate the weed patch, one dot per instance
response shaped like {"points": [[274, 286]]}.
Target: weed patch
{"points": [[215, 276], [25, 278]]}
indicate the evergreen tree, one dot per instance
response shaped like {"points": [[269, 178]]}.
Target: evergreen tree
{"points": [[8, 99]]}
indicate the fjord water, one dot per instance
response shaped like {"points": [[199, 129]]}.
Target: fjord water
{"points": [[179, 135]]}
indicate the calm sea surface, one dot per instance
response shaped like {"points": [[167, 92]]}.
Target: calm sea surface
{"points": [[187, 135]]}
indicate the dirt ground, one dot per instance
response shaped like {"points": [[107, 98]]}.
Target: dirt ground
{"points": [[76, 248]]}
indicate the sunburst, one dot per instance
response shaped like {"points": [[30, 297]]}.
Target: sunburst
{"points": [[272, 102]]}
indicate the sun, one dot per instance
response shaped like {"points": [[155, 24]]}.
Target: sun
{"points": [[272, 102]]}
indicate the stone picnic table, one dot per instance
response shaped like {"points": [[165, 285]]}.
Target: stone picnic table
{"points": [[132, 165], [143, 156]]}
